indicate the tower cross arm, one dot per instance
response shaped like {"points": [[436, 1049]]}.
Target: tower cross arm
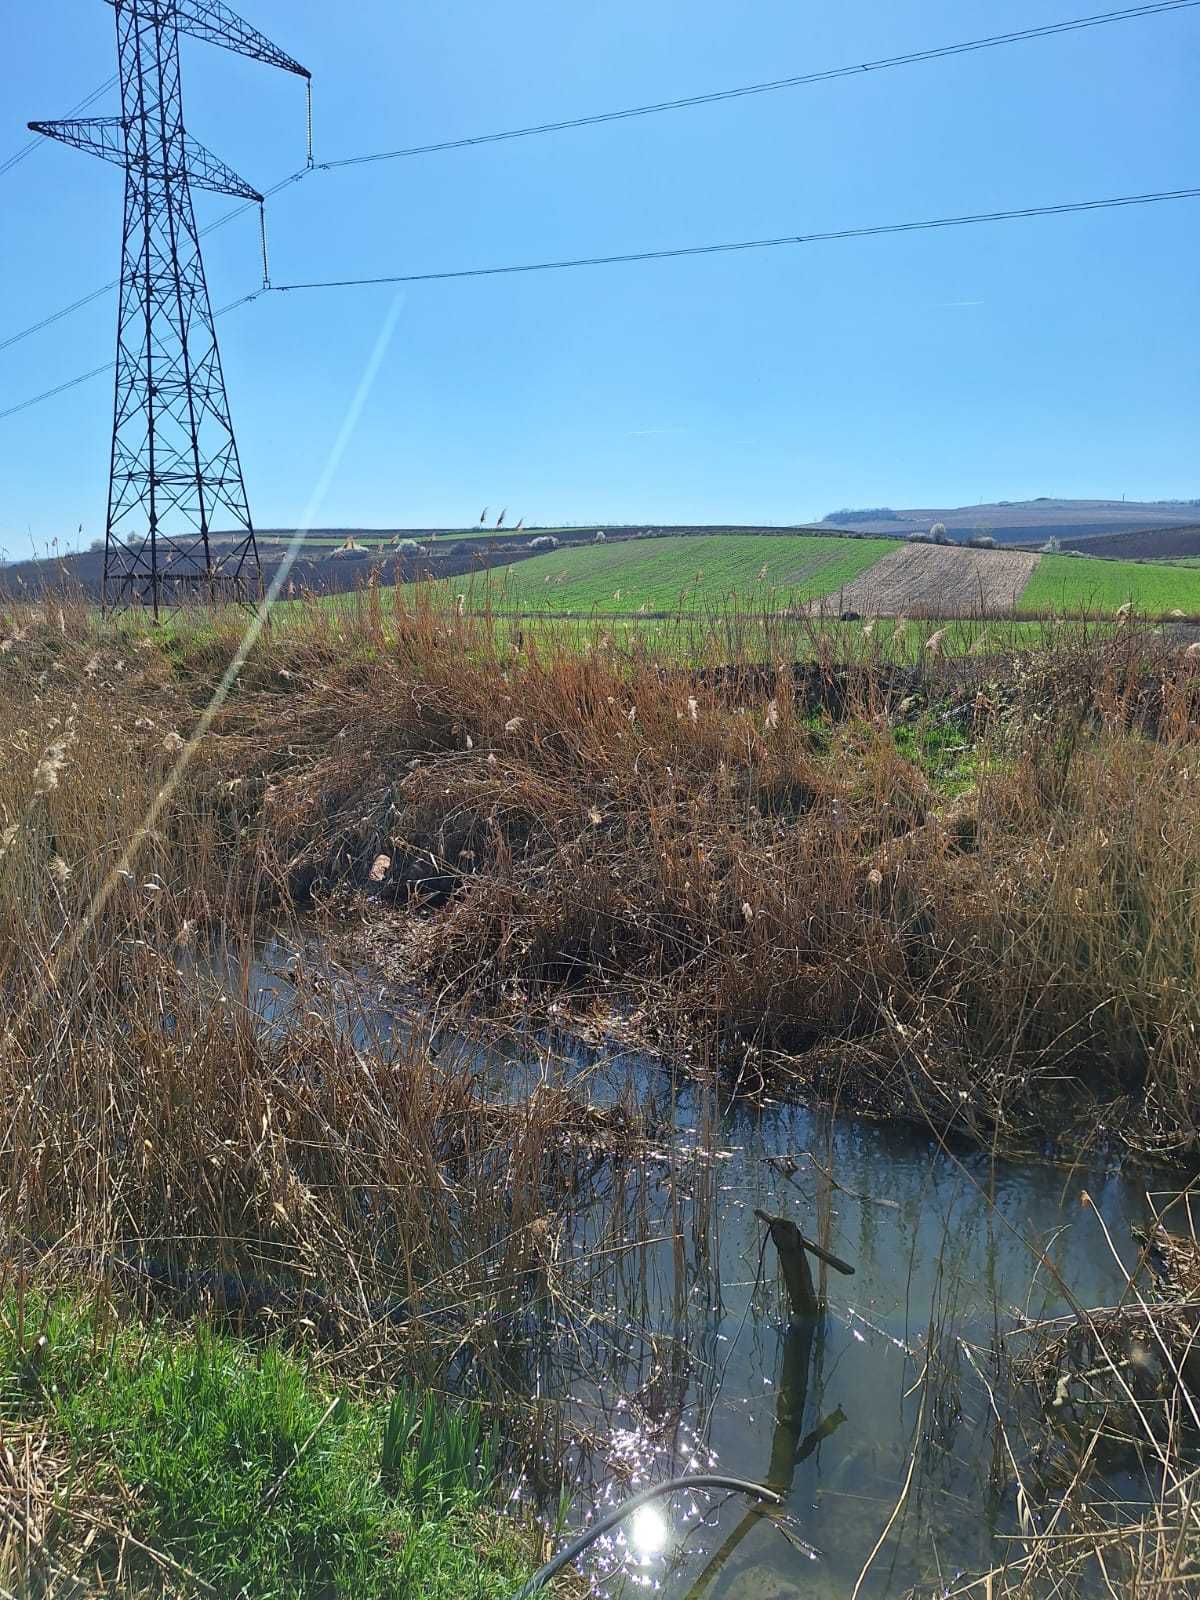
{"points": [[207, 171], [216, 22], [105, 137], [99, 136]]}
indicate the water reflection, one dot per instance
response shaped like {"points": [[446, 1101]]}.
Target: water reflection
{"points": [[648, 1533], [662, 1337]]}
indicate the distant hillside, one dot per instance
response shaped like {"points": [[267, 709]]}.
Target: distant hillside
{"points": [[1144, 544], [643, 574], [325, 568], [1027, 521]]}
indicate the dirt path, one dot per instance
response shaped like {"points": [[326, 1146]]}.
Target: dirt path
{"points": [[936, 581]]}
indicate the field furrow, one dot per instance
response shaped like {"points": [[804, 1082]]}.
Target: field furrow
{"points": [[938, 581]]}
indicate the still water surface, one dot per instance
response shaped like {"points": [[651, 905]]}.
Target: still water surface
{"points": [[677, 1353]]}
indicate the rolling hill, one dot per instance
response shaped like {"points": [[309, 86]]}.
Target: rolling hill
{"points": [[323, 567], [1026, 521], [640, 572], [663, 574], [872, 577], [1144, 544]]}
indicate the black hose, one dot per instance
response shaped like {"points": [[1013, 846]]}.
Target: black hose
{"points": [[703, 1480]]}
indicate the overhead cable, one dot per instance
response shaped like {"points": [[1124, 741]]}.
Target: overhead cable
{"points": [[911, 58], [874, 230], [96, 372], [627, 257], [88, 100], [772, 86], [96, 294]]}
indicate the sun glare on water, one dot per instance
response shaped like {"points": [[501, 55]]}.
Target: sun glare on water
{"points": [[648, 1532]]}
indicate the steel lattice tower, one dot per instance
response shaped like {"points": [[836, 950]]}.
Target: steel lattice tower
{"points": [[176, 475]]}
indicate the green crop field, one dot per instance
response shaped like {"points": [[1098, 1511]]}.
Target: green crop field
{"points": [[686, 571], [1067, 583], [709, 641]]}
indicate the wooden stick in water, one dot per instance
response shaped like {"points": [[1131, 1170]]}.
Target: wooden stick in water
{"points": [[827, 1256]]}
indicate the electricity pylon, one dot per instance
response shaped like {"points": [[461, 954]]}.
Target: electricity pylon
{"points": [[176, 474]]}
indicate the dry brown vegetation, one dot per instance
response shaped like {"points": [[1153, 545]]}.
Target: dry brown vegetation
{"points": [[961, 894], [1113, 1389], [964, 893], [803, 888], [165, 1152]]}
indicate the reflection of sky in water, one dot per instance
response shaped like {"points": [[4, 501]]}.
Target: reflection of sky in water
{"points": [[678, 1364]]}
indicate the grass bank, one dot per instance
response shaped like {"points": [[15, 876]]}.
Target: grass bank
{"points": [[757, 629], [189, 1460]]}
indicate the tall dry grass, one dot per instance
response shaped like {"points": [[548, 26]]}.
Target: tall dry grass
{"points": [[781, 863], [758, 852], [778, 858], [152, 1116], [1096, 1428]]}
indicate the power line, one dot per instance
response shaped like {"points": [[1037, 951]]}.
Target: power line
{"points": [[96, 294], [875, 230], [801, 80], [49, 394], [631, 256], [96, 372], [1047, 30], [57, 316], [27, 149]]}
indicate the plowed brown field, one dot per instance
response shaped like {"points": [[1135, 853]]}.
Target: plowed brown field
{"points": [[937, 581]]}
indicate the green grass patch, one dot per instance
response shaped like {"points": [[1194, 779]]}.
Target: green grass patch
{"points": [[709, 639], [941, 752], [673, 572], [1086, 584], [251, 1473], [698, 635]]}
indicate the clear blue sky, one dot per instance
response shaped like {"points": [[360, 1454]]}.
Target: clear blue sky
{"points": [[1059, 356]]}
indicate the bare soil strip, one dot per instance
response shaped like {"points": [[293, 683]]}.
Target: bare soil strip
{"points": [[934, 580]]}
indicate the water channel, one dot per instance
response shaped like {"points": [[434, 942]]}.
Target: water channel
{"points": [[678, 1355]]}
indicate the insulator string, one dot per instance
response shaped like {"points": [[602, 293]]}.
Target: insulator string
{"points": [[262, 227]]}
